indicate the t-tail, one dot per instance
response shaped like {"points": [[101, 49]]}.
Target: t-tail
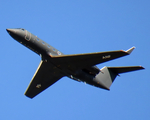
{"points": [[108, 74]]}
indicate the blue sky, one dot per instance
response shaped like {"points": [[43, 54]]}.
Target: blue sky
{"points": [[79, 26]]}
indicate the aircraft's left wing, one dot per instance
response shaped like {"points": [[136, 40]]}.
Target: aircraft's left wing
{"points": [[45, 75]]}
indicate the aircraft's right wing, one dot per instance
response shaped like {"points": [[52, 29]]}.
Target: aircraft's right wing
{"points": [[79, 61]]}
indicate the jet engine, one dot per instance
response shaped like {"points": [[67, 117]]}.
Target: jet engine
{"points": [[93, 70]]}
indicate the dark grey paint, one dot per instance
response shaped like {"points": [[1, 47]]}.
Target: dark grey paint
{"points": [[80, 67]]}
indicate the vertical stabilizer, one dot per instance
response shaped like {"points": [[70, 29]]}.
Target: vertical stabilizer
{"points": [[108, 74]]}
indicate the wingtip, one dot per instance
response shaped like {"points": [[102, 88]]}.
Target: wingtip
{"points": [[130, 50], [28, 95], [141, 67]]}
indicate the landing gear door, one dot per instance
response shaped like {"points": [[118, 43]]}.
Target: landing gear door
{"points": [[28, 36]]}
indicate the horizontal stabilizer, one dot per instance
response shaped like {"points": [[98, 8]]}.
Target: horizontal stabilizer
{"points": [[108, 74], [125, 69]]}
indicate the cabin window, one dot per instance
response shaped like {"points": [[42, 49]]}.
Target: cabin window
{"points": [[53, 49], [43, 43], [37, 39], [59, 53], [27, 38], [48, 46]]}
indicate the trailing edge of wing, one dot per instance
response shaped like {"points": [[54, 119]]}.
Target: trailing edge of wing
{"points": [[78, 61]]}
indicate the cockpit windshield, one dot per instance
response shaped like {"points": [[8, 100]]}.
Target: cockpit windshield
{"points": [[21, 29]]}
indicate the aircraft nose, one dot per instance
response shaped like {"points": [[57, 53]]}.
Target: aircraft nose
{"points": [[11, 31]]}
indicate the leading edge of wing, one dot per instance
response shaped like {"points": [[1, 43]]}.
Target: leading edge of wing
{"points": [[89, 59], [45, 75]]}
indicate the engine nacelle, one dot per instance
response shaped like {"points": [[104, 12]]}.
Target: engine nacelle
{"points": [[93, 70]]}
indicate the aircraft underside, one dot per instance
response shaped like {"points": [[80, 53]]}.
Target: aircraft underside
{"points": [[80, 67]]}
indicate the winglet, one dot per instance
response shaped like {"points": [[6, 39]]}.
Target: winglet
{"points": [[130, 50]]}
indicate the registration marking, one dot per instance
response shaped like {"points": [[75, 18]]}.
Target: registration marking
{"points": [[106, 57]]}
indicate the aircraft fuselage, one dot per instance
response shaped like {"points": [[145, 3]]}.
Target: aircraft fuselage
{"points": [[45, 51], [80, 67]]}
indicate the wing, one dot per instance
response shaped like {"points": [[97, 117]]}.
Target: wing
{"points": [[79, 61], [45, 75]]}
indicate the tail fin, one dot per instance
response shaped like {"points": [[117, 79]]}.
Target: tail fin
{"points": [[108, 74]]}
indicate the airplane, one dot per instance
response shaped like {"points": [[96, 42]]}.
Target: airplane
{"points": [[80, 67]]}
